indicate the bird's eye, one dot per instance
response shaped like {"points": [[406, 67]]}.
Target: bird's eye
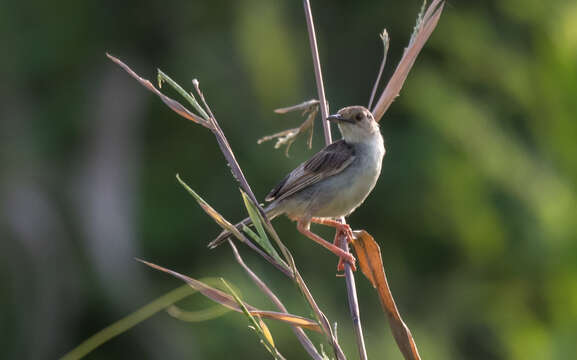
{"points": [[359, 117]]}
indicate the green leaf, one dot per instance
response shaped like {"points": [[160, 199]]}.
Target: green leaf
{"points": [[185, 94], [215, 215], [262, 237], [264, 335]]}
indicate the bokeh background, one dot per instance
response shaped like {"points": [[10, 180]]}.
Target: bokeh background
{"points": [[475, 210]]}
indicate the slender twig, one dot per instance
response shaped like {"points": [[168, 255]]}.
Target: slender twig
{"points": [[318, 71], [354, 306], [300, 334], [385, 38], [351, 287]]}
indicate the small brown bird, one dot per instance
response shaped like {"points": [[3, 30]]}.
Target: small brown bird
{"points": [[332, 183]]}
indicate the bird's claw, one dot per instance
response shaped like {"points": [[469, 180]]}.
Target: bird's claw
{"points": [[346, 257], [349, 258]]}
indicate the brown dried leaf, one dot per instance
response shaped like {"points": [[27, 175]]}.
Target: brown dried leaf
{"points": [[288, 137], [368, 254], [371, 263], [229, 301], [299, 107]]}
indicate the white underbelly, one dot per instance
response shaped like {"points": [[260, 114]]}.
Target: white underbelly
{"points": [[349, 194]]}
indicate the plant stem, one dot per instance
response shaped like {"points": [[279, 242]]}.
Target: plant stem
{"points": [[385, 38], [350, 280], [318, 72]]}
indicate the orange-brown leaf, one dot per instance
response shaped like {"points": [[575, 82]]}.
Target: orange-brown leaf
{"points": [[265, 330], [371, 263], [294, 320], [369, 255]]}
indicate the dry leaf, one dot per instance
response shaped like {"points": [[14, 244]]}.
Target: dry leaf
{"points": [[265, 330], [369, 255], [371, 263]]}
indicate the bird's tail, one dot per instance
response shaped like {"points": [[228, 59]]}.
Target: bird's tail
{"points": [[271, 211]]}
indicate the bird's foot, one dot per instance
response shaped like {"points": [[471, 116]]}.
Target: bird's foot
{"points": [[344, 256], [347, 256]]}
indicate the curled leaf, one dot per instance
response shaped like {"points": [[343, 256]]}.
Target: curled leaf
{"points": [[198, 315], [304, 106], [287, 137]]}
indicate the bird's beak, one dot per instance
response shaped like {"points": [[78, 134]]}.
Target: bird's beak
{"points": [[337, 118]]}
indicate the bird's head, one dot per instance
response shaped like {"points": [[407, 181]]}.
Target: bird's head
{"points": [[356, 123]]}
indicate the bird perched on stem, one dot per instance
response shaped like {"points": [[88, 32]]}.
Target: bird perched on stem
{"points": [[332, 183]]}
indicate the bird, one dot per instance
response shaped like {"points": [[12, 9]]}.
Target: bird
{"points": [[331, 184]]}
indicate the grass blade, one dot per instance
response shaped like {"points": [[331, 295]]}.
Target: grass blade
{"points": [[185, 94], [215, 215], [127, 322], [258, 326]]}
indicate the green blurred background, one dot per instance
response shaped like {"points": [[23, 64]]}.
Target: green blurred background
{"points": [[475, 210]]}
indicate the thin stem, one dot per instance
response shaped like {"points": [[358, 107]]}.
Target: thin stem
{"points": [[351, 287], [300, 334], [318, 72], [354, 306], [385, 38]]}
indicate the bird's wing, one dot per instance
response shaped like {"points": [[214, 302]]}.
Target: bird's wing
{"points": [[328, 162]]}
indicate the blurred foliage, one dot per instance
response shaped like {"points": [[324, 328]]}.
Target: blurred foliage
{"points": [[474, 212]]}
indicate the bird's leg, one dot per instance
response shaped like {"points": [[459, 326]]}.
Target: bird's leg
{"points": [[303, 228], [341, 229], [344, 228], [337, 242]]}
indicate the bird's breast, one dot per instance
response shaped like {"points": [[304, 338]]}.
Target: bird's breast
{"points": [[347, 190]]}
